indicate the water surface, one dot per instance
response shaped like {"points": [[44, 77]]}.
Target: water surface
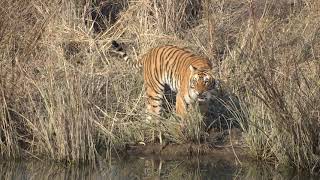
{"points": [[146, 168]]}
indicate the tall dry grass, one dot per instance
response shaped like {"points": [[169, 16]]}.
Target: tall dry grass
{"points": [[65, 98]]}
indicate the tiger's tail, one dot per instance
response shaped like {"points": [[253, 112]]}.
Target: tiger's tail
{"points": [[116, 48]]}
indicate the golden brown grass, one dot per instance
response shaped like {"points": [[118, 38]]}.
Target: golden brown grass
{"points": [[62, 96]]}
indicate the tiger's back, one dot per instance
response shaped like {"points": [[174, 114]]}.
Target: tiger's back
{"points": [[170, 65]]}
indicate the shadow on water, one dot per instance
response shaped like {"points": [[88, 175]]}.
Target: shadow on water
{"points": [[146, 168]]}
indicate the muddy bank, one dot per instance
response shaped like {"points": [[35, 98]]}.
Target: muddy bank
{"points": [[226, 144], [180, 151]]}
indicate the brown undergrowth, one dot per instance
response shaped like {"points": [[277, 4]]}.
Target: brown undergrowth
{"points": [[64, 97]]}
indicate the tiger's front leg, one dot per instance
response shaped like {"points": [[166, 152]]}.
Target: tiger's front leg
{"points": [[181, 107]]}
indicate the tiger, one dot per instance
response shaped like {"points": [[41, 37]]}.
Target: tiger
{"points": [[189, 75]]}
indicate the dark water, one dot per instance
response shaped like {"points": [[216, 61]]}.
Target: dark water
{"points": [[146, 168]]}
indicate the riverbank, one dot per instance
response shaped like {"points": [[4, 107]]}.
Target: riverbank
{"points": [[65, 98], [227, 144]]}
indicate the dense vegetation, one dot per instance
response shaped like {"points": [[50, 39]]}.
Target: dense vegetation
{"points": [[63, 96]]}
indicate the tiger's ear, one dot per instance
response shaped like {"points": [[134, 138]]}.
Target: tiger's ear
{"points": [[192, 68]]}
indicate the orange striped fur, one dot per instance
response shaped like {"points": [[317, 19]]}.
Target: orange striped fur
{"points": [[189, 75]]}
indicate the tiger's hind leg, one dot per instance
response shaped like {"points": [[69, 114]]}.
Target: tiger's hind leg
{"points": [[154, 100]]}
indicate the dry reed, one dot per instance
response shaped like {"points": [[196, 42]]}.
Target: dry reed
{"points": [[63, 97]]}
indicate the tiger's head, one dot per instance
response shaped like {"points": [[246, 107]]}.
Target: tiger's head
{"points": [[201, 84]]}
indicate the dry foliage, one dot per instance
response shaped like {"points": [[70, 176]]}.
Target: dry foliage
{"points": [[63, 96]]}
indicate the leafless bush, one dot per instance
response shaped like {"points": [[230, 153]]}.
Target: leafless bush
{"points": [[63, 96]]}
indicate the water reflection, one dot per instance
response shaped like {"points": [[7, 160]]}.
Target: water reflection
{"points": [[145, 168]]}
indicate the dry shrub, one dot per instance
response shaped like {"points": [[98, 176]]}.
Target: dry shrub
{"points": [[277, 80], [63, 96]]}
